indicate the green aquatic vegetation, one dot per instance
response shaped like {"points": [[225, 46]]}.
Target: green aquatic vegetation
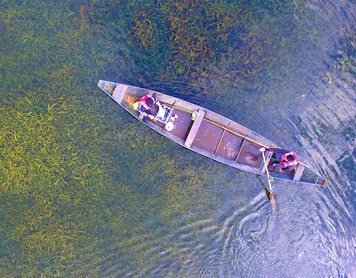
{"points": [[85, 20], [72, 168], [182, 37], [199, 55], [224, 17], [31, 168], [144, 29], [246, 61], [63, 180], [66, 187], [187, 41]]}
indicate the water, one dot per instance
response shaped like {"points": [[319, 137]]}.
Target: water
{"points": [[88, 191]]}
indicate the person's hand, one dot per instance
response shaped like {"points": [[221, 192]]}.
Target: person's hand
{"points": [[262, 149]]}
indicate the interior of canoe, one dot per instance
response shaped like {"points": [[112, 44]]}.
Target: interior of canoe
{"points": [[209, 137], [205, 133]]}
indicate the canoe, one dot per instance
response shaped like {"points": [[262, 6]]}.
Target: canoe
{"points": [[208, 133]]}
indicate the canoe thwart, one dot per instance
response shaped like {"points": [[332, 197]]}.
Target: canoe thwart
{"points": [[194, 129], [220, 140], [242, 144]]}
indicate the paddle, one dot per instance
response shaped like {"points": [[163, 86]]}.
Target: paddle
{"points": [[269, 191]]}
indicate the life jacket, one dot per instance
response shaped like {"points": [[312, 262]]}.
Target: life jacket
{"points": [[288, 163]]}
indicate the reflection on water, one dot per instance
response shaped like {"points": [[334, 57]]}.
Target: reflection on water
{"points": [[87, 191]]}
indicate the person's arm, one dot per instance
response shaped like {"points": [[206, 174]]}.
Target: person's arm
{"points": [[156, 101], [147, 113], [144, 114], [143, 111]]}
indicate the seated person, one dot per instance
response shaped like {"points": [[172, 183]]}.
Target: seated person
{"points": [[286, 160], [148, 106]]}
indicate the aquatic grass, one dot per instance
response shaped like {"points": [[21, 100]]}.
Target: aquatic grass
{"points": [[144, 29], [44, 162], [215, 42], [65, 189], [65, 151], [184, 35]]}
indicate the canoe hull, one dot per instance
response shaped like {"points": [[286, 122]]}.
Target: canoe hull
{"points": [[208, 133]]}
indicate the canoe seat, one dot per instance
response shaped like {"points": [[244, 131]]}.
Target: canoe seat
{"points": [[119, 93], [194, 129]]}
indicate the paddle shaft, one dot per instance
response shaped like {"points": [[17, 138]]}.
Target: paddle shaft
{"points": [[268, 176]]}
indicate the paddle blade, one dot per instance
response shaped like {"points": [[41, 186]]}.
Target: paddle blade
{"points": [[270, 196], [272, 199]]}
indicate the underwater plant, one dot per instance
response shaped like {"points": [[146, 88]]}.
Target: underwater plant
{"points": [[144, 30]]}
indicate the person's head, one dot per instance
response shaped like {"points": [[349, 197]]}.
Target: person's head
{"points": [[153, 107], [149, 102], [290, 158]]}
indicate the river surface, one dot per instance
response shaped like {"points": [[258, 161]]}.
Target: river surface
{"points": [[87, 191]]}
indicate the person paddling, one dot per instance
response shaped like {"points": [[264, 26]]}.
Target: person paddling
{"points": [[285, 159]]}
